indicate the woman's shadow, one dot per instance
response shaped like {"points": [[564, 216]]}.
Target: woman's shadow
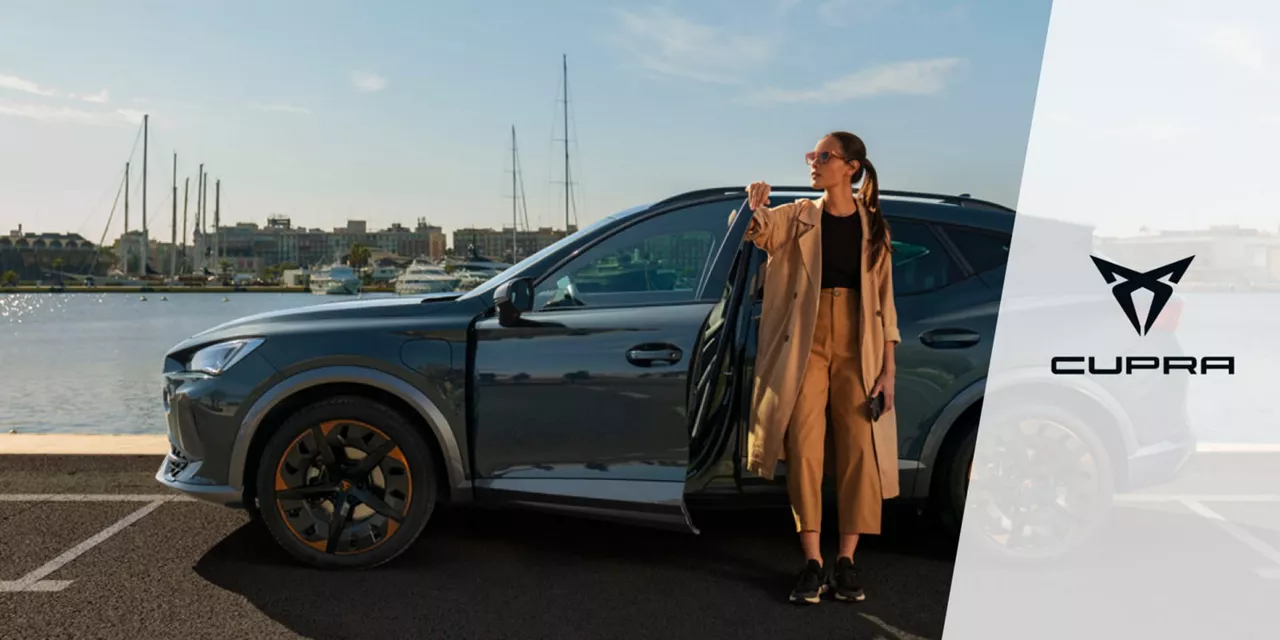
{"points": [[481, 573]]}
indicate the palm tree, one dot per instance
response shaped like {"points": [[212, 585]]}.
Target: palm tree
{"points": [[359, 255]]}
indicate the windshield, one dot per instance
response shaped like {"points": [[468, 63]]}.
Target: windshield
{"points": [[518, 270]]}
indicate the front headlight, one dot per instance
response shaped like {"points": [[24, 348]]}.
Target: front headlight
{"points": [[216, 358]]}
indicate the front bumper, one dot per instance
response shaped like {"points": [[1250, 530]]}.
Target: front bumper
{"points": [[180, 474], [203, 415]]}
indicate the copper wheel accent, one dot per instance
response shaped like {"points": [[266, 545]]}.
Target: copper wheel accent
{"points": [[343, 487]]}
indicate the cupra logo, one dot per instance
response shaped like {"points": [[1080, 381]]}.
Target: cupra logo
{"points": [[1129, 364], [1133, 281]]}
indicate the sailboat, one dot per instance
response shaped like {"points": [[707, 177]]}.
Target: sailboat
{"points": [[118, 274]]}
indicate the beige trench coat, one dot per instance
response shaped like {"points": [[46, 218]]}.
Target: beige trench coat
{"points": [[792, 235]]}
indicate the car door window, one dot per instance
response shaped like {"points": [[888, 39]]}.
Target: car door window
{"points": [[985, 250], [660, 260], [920, 262]]}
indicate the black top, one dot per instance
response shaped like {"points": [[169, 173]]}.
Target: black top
{"points": [[841, 251]]}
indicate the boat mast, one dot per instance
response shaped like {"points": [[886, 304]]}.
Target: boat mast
{"points": [[124, 244], [514, 201], [204, 217], [173, 242], [199, 226], [186, 189], [565, 68], [217, 221], [143, 268]]}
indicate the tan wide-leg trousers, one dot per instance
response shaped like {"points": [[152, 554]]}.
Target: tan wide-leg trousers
{"points": [[834, 373]]}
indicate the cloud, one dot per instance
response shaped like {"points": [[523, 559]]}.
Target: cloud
{"points": [[280, 107], [68, 115], [669, 44], [1235, 43], [368, 82], [914, 77], [785, 6], [132, 116], [15, 83], [844, 13], [98, 98]]}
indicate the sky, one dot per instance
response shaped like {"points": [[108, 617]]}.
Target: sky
{"points": [[389, 112]]}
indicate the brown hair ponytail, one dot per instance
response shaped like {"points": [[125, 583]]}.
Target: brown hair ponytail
{"points": [[877, 227]]}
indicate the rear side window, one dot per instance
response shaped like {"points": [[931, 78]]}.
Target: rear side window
{"points": [[920, 262], [985, 250]]}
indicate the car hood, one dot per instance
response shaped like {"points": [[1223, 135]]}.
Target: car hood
{"points": [[354, 312]]}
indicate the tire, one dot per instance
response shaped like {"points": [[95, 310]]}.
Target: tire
{"points": [[952, 484], [402, 483], [992, 504], [1070, 493]]}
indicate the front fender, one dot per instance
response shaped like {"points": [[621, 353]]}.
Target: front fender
{"points": [[348, 374]]}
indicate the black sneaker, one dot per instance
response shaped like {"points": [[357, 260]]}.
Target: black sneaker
{"points": [[845, 581], [810, 585]]}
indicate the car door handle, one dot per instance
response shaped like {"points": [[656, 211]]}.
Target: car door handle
{"points": [[950, 338], [647, 355]]}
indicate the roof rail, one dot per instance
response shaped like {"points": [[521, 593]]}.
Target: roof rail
{"points": [[962, 200]]}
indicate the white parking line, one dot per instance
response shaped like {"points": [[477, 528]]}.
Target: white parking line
{"points": [[1206, 497], [34, 581], [1237, 447], [93, 497], [894, 631], [1251, 541]]}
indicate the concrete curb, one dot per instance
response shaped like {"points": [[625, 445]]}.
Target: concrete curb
{"points": [[158, 445], [83, 444]]}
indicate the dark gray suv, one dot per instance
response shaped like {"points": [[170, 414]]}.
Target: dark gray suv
{"points": [[608, 375]]}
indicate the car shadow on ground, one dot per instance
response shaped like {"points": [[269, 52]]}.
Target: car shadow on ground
{"points": [[514, 573]]}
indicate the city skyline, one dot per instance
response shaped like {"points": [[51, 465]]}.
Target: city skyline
{"points": [[394, 113]]}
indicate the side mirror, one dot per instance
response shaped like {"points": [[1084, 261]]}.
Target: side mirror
{"points": [[512, 298]]}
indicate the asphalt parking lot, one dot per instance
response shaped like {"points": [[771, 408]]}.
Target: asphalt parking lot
{"points": [[94, 548]]}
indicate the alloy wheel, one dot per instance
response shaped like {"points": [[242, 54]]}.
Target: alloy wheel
{"points": [[343, 487], [1040, 488]]}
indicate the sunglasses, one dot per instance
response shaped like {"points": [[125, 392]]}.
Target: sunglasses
{"points": [[813, 157]]}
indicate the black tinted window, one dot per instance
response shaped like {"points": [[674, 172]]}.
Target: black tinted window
{"points": [[984, 250], [920, 263], [660, 260]]}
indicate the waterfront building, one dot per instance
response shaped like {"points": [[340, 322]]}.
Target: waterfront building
{"points": [[1224, 254], [251, 248], [32, 255], [496, 243]]}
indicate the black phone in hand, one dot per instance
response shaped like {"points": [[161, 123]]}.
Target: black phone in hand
{"points": [[876, 405]]}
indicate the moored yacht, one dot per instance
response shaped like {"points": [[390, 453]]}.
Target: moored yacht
{"points": [[425, 277], [336, 279]]}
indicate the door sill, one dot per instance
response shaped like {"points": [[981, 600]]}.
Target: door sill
{"points": [[652, 503]]}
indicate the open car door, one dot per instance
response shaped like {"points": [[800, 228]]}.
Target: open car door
{"points": [[715, 385], [580, 403]]}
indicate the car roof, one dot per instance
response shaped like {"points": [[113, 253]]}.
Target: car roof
{"points": [[959, 210]]}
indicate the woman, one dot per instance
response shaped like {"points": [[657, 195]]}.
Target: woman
{"points": [[827, 334]]}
